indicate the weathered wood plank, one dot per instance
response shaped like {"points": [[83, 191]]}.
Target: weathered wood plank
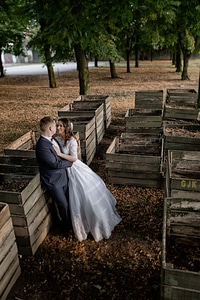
{"points": [[12, 273], [5, 230], [7, 244], [30, 246], [13, 279], [9, 261], [4, 214]]}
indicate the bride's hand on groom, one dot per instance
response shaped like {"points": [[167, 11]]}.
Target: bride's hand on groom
{"points": [[57, 150]]}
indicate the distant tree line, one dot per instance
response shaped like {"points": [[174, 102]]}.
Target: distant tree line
{"points": [[99, 29]]}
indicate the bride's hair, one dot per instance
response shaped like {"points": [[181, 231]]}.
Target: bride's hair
{"points": [[68, 129]]}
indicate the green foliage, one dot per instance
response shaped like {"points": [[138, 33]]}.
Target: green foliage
{"points": [[188, 41], [11, 27]]}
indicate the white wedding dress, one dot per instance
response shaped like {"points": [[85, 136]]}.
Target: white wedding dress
{"points": [[92, 206]]}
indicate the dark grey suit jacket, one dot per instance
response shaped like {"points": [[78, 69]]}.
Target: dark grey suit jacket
{"points": [[52, 168]]}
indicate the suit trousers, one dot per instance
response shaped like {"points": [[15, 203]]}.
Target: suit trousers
{"points": [[60, 196]]}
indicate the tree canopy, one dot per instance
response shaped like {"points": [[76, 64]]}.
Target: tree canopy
{"points": [[110, 30]]}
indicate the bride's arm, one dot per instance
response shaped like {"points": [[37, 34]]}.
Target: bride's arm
{"points": [[63, 155]]}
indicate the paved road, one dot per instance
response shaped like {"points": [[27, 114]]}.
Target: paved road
{"points": [[38, 69]]}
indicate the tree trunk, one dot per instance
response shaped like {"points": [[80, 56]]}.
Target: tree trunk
{"points": [[51, 75], [198, 99], [137, 51], [186, 56], [1, 66], [96, 61], [174, 59], [128, 53], [83, 70], [178, 60], [136, 56], [151, 55], [128, 68], [112, 69]]}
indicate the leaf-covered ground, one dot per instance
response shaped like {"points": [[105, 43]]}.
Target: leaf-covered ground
{"points": [[127, 266]]}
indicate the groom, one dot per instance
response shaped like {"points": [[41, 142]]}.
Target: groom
{"points": [[53, 171]]}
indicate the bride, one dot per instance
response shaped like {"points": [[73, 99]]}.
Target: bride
{"points": [[92, 206]]}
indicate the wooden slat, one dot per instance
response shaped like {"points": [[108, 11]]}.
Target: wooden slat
{"points": [[37, 238], [7, 244], [12, 282], [12, 273]]}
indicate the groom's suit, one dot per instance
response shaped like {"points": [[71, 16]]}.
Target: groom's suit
{"points": [[53, 175]]}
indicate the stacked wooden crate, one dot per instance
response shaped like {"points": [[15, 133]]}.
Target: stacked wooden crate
{"points": [[135, 159], [181, 104], [183, 174], [149, 99], [29, 204], [181, 136], [97, 108], [101, 99], [181, 225], [9, 262], [25, 145], [143, 121]]}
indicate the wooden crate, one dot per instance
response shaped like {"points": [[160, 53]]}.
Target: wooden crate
{"points": [[182, 113], [134, 159], [181, 104], [143, 121], [183, 174], [86, 109], [179, 284], [87, 134], [149, 99], [18, 164], [181, 136], [30, 207], [105, 99], [9, 263], [25, 145], [182, 97]]}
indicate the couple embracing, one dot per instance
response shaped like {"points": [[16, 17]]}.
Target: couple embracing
{"points": [[81, 196]]}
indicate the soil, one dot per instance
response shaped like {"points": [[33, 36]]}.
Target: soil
{"points": [[127, 266]]}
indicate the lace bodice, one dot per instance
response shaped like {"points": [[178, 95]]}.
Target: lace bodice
{"points": [[70, 148]]}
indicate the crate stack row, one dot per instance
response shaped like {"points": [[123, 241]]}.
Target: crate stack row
{"points": [[135, 157], [181, 217], [25, 210], [175, 121], [147, 121], [180, 120], [181, 225], [91, 116]]}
